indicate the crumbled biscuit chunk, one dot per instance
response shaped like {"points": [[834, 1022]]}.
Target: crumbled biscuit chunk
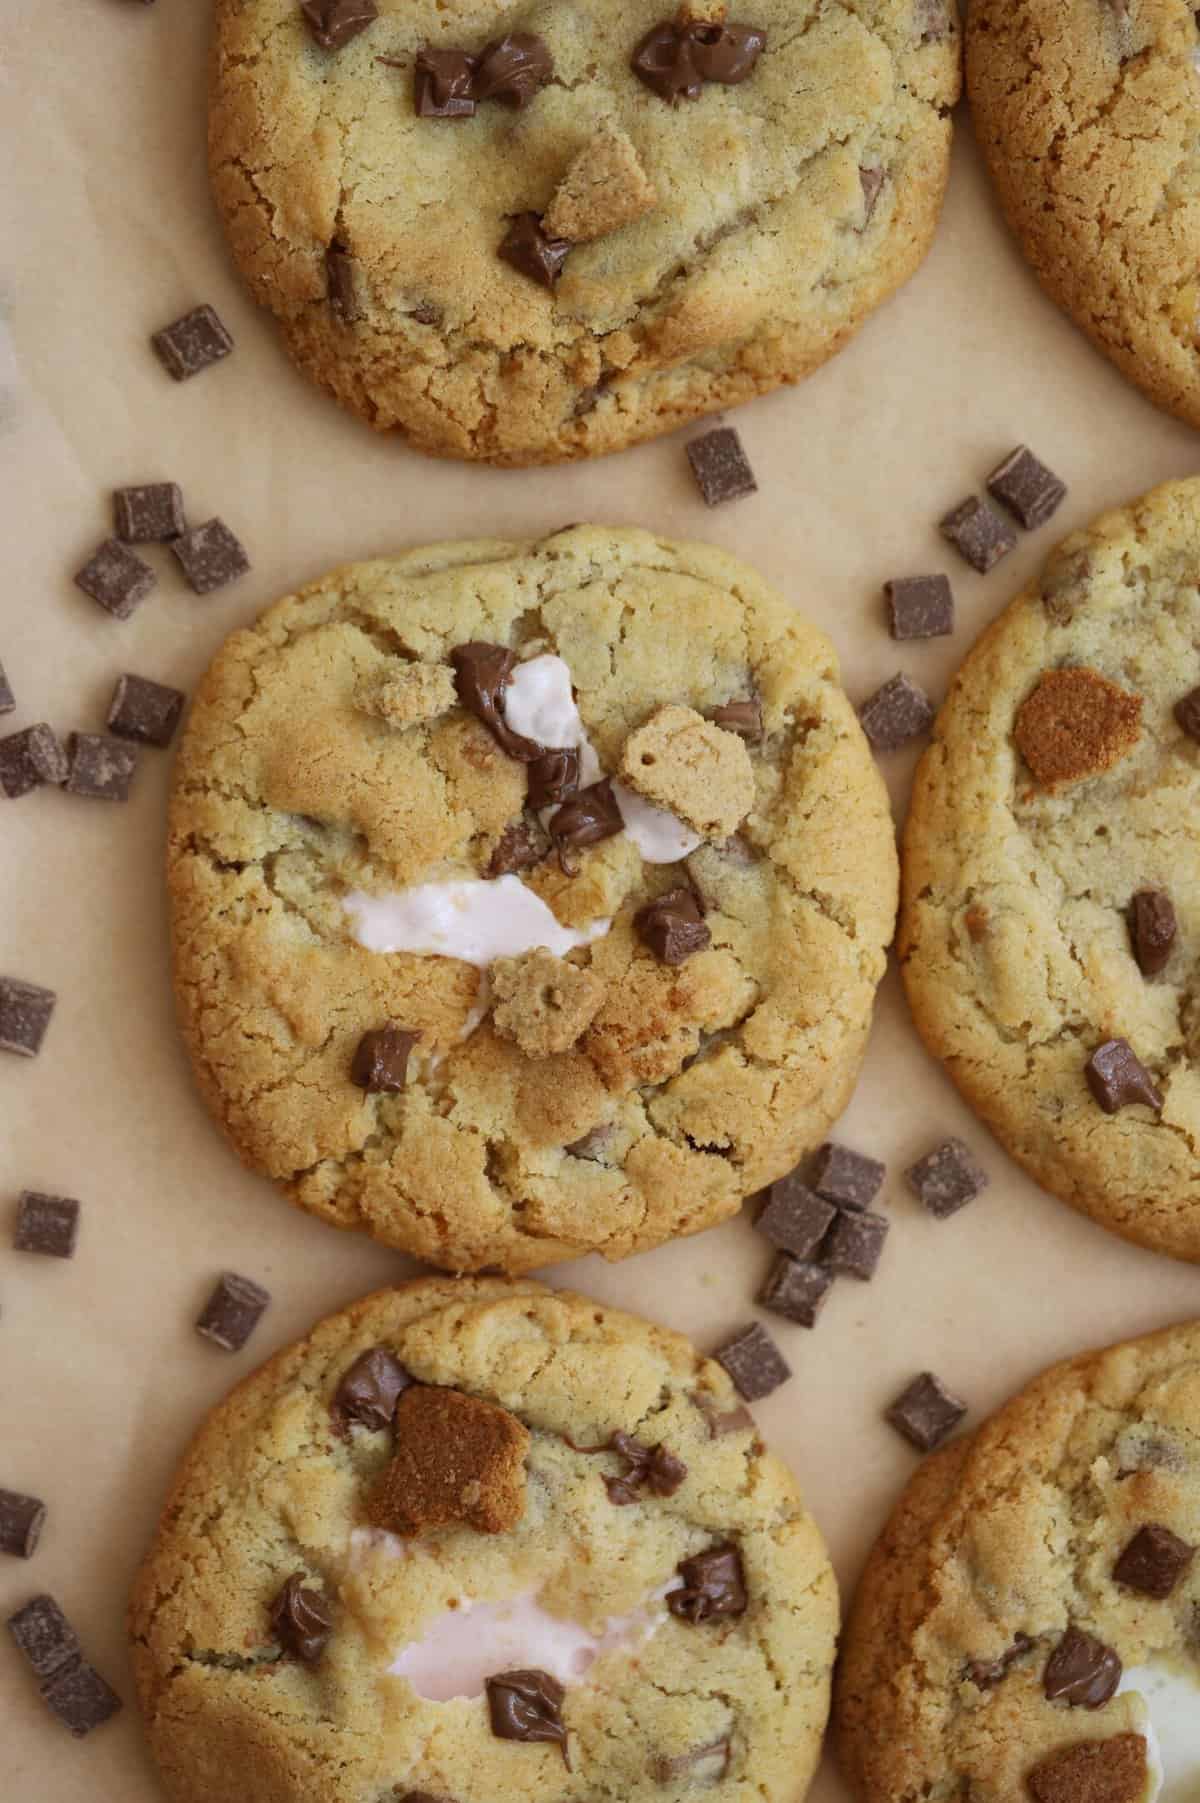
{"points": [[458, 1460], [1076, 724], [543, 1003], [604, 188], [413, 692], [682, 762]]}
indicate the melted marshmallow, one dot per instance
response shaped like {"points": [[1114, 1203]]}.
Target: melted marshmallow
{"points": [[465, 918], [539, 703], [1172, 1699], [662, 838]]}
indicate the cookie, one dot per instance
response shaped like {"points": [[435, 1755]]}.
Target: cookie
{"points": [[473, 1539], [1084, 110], [1051, 894], [1025, 1626], [495, 235], [448, 969]]}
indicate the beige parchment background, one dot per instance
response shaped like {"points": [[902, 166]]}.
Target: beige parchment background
{"points": [[106, 233]]}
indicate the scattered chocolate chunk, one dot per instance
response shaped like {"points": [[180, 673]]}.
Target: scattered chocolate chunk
{"points": [[513, 68], [919, 607], [796, 1290], [25, 1012], [947, 1178], [481, 674], [1117, 1078], [926, 1413], [754, 1362], [115, 578], [143, 710], [233, 1311], [850, 1179], [676, 57], [673, 926], [1081, 1671], [531, 252], [210, 556], [80, 1698], [527, 1706], [795, 1219], [1154, 1561], [1187, 713], [370, 1389], [650, 1468], [714, 1584], [1075, 724], [30, 758], [192, 343], [589, 816], [339, 282], [708, 1764], [334, 22], [1152, 929], [48, 1224], [443, 83], [720, 466], [101, 769], [856, 1244], [301, 1620], [380, 1064], [70, 1687], [22, 1519], [520, 847], [1113, 1770], [722, 1421], [871, 179], [985, 1674], [149, 514], [553, 777], [456, 1459], [896, 713], [978, 533], [8, 700], [745, 718], [1027, 488]]}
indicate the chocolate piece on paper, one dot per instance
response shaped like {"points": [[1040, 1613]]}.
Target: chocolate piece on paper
{"points": [[754, 1362], [101, 769], [380, 1064], [1153, 929], [22, 1519], [8, 700], [25, 1011], [301, 1620], [947, 1178], [848, 1178], [44, 1637], [978, 533], [46, 1224], [1154, 1561], [1118, 1079], [116, 578], [192, 344], [233, 1311], [856, 1244], [898, 711], [720, 466], [143, 710], [370, 1389], [80, 1698], [1081, 1671], [714, 1585], [30, 758], [149, 514], [926, 1413], [1027, 488], [795, 1218], [527, 1706], [532, 252], [210, 556], [919, 607], [796, 1290]]}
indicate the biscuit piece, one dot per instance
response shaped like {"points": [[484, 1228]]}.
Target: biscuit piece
{"points": [[685, 764], [543, 1003], [411, 693], [604, 189], [457, 1459], [1076, 724]]}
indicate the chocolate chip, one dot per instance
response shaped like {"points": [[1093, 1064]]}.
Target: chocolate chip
{"points": [[673, 926], [1081, 1671], [978, 533], [1187, 713], [192, 343], [8, 700], [720, 466], [795, 1219], [553, 777], [796, 1290], [115, 578], [1027, 488], [233, 1311], [754, 1362], [856, 1244], [925, 1413], [745, 718], [334, 22], [933, 20], [25, 1012], [1112, 1770], [30, 758], [985, 1674], [871, 179], [850, 1179], [380, 1064], [919, 607], [725, 52], [650, 1468], [676, 57], [666, 1769], [721, 1421], [947, 1178], [1154, 1561], [22, 1519], [532, 252], [48, 1224], [301, 1620], [149, 514], [370, 1389], [339, 283], [143, 710], [527, 1706], [520, 847], [1152, 929], [210, 556], [1117, 1078], [714, 1585], [513, 68], [101, 769], [481, 675], [588, 817], [443, 83], [44, 1637], [896, 713], [80, 1698]]}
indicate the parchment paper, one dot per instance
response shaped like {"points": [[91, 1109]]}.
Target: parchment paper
{"points": [[106, 232]]}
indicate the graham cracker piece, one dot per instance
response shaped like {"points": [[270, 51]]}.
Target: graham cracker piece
{"points": [[1094, 1771], [458, 1460], [413, 692], [605, 187], [542, 1003], [682, 762], [1075, 724]]}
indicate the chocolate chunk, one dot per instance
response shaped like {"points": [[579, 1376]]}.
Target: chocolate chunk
{"points": [[650, 1468], [714, 1585], [1117, 1078], [925, 1413], [115, 578], [233, 1311], [339, 282], [795, 1219], [553, 777], [1027, 488], [150, 514], [708, 1764], [796, 1290], [1113, 1770], [192, 343], [513, 68], [527, 1706], [850, 1179], [25, 1012], [871, 179], [745, 718], [380, 1064], [80, 1698], [720, 466], [301, 1620], [896, 713], [48, 1224], [334, 22], [754, 1362], [30, 758], [1081, 1671], [673, 926], [721, 1421], [370, 1389], [144, 710], [1154, 1561], [521, 847], [985, 1674], [978, 533], [933, 20], [443, 83], [594, 1145], [101, 769], [8, 700], [856, 1244], [210, 556], [1152, 929], [588, 817], [22, 1519], [675, 58], [1187, 713], [45, 1637], [531, 252], [481, 675], [947, 1178], [919, 607]]}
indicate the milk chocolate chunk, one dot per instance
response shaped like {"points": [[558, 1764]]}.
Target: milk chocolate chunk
{"points": [[481, 674], [978, 533], [588, 817], [676, 57], [144, 710], [714, 1585], [115, 578], [527, 1705], [926, 1412], [191, 344], [1081, 1671], [370, 1389], [520, 847], [46, 1224], [856, 1244], [848, 1178], [22, 1519], [705, 1765], [380, 1064], [233, 1311], [947, 1178], [1117, 1078], [1187, 713], [795, 1218], [725, 52], [919, 607], [457, 1459], [553, 777], [8, 700], [301, 1620], [898, 711], [334, 22], [651, 1468], [25, 1011], [532, 252], [1027, 488], [443, 83], [754, 1362], [100, 768], [210, 556], [721, 1421], [1152, 929], [720, 466], [871, 179], [1114, 1770], [339, 282], [80, 1698], [595, 1144], [745, 718], [796, 1289], [1154, 1561], [149, 514], [985, 1674], [30, 758], [513, 68], [1076, 724], [673, 925]]}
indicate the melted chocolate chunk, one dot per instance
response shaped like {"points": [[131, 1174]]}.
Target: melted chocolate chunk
{"points": [[725, 52], [532, 252], [370, 1389], [650, 1468], [668, 1769], [1152, 929], [334, 22], [481, 673], [301, 1621], [443, 83], [676, 57], [339, 282], [985, 1674], [1187, 714], [513, 68], [673, 925], [521, 847], [591, 815], [527, 1705], [1154, 1561], [553, 777], [714, 1584], [745, 718], [1117, 1077], [380, 1064], [1081, 1671]]}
